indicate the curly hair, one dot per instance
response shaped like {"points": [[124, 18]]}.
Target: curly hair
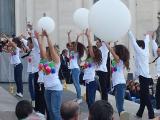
{"points": [[98, 55], [123, 54], [80, 48]]}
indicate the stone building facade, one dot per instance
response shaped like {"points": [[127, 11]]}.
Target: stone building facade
{"points": [[144, 16]]}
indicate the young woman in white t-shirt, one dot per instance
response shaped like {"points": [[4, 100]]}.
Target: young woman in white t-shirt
{"points": [[49, 65], [16, 46], [94, 58], [76, 50], [121, 57]]}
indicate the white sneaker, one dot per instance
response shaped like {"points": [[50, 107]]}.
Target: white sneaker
{"points": [[79, 101], [75, 100], [33, 103], [19, 95], [157, 111], [124, 115]]}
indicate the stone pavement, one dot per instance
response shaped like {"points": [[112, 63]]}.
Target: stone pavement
{"points": [[69, 94]]}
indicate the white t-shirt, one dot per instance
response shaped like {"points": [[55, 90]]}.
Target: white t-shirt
{"points": [[89, 73], [34, 58], [155, 48], [15, 59], [74, 60], [103, 66], [118, 74], [52, 81], [141, 56]]}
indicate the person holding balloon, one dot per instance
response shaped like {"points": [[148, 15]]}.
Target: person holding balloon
{"points": [[49, 65], [94, 58], [141, 49], [121, 57], [76, 51], [102, 71]]}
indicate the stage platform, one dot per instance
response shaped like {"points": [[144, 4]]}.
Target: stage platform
{"points": [[7, 105]]}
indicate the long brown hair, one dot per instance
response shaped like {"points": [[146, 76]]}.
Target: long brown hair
{"points": [[98, 55], [123, 54], [80, 48]]}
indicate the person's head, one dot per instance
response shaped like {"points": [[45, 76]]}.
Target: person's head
{"points": [[98, 55], [65, 52], [23, 109], [101, 110], [30, 43], [70, 110], [68, 46], [17, 41], [98, 42], [123, 54], [79, 47], [141, 44], [158, 51]]}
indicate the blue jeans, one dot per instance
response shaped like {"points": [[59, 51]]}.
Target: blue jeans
{"points": [[53, 100], [75, 76], [91, 93], [18, 77], [119, 96], [31, 85]]}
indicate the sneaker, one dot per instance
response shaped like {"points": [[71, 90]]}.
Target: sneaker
{"points": [[33, 103], [138, 117], [124, 115], [157, 111], [19, 95], [79, 101]]}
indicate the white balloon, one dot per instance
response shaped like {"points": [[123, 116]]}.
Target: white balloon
{"points": [[80, 18], [47, 24], [109, 19]]}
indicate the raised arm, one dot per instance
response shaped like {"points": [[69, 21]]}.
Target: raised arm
{"points": [[88, 34], [54, 54], [133, 42], [115, 56], [41, 47], [69, 37], [154, 45]]}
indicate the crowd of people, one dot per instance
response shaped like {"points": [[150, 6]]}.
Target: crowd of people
{"points": [[46, 67]]}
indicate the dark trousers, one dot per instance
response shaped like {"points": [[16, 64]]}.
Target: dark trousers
{"points": [[91, 88], [104, 81], [18, 77], [158, 94], [145, 98], [31, 86], [40, 104]]}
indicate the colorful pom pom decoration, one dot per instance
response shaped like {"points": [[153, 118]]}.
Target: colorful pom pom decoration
{"points": [[47, 67]]}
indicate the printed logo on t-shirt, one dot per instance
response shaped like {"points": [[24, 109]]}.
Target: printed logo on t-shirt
{"points": [[47, 67]]}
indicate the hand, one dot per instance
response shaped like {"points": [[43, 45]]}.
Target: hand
{"points": [[150, 33], [44, 33]]}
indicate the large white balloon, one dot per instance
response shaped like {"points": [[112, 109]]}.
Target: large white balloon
{"points": [[80, 18], [109, 19], [47, 24]]}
